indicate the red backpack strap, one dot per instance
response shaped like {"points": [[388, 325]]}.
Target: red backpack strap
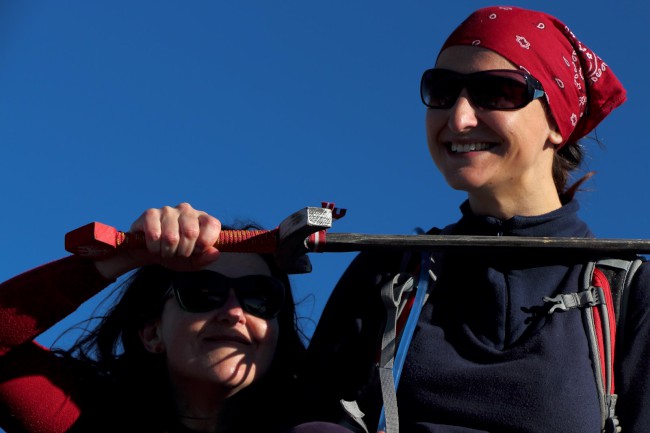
{"points": [[594, 299], [612, 277], [601, 320], [602, 300]]}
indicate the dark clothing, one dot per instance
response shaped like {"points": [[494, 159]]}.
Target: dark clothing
{"points": [[318, 427], [484, 357]]}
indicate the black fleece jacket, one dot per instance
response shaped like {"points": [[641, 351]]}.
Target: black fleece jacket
{"points": [[485, 356]]}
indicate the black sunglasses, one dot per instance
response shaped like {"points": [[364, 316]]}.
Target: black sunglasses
{"points": [[202, 291], [497, 89]]}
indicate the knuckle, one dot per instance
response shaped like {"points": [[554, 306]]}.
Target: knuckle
{"points": [[191, 232], [184, 207], [168, 210], [170, 238], [210, 222], [150, 213]]}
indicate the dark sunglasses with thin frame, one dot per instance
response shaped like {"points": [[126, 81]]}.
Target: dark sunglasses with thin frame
{"points": [[203, 291], [496, 89]]}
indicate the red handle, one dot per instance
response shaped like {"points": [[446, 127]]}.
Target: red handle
{"points": [[97, 240]]}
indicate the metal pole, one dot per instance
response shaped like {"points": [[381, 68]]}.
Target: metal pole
{"points": [[346, 242]]}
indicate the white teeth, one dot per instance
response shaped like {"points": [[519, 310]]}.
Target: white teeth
{"points": [[468, 147]]}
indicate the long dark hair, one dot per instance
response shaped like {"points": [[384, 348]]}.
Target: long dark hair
{"points": [[138, 379]]}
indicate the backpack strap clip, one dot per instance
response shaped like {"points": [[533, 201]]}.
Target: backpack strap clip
{"points": [[567, 301]]}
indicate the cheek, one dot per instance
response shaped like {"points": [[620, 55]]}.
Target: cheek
{"points": [[434, 123], [528, 125], [266, 334], [178, 328]]}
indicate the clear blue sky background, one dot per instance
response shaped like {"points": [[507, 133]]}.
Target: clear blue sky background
{"points": [[255, 109]]}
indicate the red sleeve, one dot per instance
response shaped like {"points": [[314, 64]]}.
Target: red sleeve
{"points": [[35, 300], [39, 392]]}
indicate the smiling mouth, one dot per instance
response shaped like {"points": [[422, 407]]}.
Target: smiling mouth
{"points": [[225, 339], [468, 147]]}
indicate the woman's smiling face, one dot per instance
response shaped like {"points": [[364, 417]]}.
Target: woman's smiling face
{"points": [[225, 349], [489, 152]]}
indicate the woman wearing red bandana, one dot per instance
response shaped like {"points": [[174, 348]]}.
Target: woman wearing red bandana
{"points": [[511, 94]]}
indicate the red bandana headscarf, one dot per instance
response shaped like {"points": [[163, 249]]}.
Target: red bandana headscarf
{"points": [[580, 88]]}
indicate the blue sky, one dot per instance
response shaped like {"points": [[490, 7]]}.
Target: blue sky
{"points": [[255, 109]]}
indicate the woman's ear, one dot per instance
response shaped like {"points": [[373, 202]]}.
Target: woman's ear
{"points": [[150, 337], [555, 137]]}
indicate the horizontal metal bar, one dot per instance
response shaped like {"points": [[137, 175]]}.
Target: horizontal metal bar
{"points": [[347, 242]]}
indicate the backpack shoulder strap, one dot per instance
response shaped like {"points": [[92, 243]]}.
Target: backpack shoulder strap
{"points": [[613, 276], [403, 297], [602, 298], [402, 314], [619, 273]]}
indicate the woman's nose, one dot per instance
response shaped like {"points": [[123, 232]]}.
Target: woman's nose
{"points": [[231, 311], [462, 115]]}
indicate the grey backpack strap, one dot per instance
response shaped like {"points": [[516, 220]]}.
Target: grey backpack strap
{"points": [[389, 414], [355, 415], [621, 294], [392, 294], [394, 345], [614, 275], [619, 274]]}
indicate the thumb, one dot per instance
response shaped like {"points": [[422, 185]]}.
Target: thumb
{"points": [[207, 256]]}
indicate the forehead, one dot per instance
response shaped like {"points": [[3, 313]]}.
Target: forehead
{"points": [[236, 265], [467, 58]]}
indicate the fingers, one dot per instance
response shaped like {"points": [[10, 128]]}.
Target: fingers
{"points": [[149, 223], [181, 238], [209, 231], [180, 232], [198, 232]]}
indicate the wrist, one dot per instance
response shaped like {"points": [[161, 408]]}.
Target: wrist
{"points": [[116, 266]]}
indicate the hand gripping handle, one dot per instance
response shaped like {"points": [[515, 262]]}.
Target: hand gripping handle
{"points": [[98, 241], [300, 233]]}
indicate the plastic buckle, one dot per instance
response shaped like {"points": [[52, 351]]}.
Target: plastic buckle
{"points": [[558, 301]]}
